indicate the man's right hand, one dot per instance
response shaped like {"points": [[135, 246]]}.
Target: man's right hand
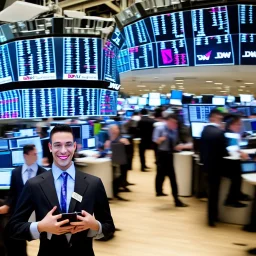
{"points": [[51, 225], [4, 209], [161, 139]]}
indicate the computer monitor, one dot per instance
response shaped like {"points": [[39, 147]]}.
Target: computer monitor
{"points": [[246, 125], [245, 111], [176, 95], [176, 102], [88, 139], [142, 101], [246, 98], [4, 144], [17, 157], [253, 124], [153, 102], [219, 101], [5, 159], [199, 112], [5, 178], [253, 110], [77, 133], [207, 98], [26, 132], [196, 129], [133, 100], [31, 140], [129, 113], [248, 167]]}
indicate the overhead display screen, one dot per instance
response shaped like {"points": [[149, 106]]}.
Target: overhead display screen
{"points": [[39, 103], [108, 102], [141, 56], [36, 59], [6, 75], [214, 50], [117, 38], [248, 49], [123, 61], [79, 102], [2, 36], [168, 26], [172, 53], [81, 57], [247, 17], [10, 105], [110, 53], [210, 21], [137, 34]]}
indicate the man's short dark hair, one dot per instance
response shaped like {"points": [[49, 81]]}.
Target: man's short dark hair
{"points": [[28, 148], [158, 113], [144, 112], [172, 116], [214, 112], [61, 128], [230, 120]]}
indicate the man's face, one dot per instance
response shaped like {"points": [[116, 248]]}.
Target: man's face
{"points": [[31, 157], [115, 131], [217, 119], [63, 148], [172, 124], [236, 127]]}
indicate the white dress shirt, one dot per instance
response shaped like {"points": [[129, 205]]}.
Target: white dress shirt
{"points": [[24, 172]]}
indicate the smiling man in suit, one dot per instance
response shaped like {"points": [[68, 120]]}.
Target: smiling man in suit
{"points": [[61, 190], [20, 175]]}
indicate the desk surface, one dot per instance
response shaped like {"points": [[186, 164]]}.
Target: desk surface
{"points": [[250, 178]]}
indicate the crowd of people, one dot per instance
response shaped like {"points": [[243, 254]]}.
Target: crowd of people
{"points": [[52, 194]]}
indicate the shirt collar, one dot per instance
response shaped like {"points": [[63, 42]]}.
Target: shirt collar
{"points": [[56, 171], [214, 124], [34, 167]]}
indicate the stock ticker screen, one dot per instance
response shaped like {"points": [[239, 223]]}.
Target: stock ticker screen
{"points": [[6, 75], [123, 62], [172, 53], [247, 16], [110, 53], [39, 103], [79, 102], [10, 104], [108, 102], [248, 49], [210, 21], [141, 57], [36, 59], [137, 34], [81, 57], [168, 26]]}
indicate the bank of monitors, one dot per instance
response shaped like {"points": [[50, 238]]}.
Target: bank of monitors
{"points": [[199, 113]]}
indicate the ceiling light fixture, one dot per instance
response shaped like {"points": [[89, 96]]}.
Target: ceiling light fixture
{"points": [[218, 83], [208, 81], [179, 83], [248, 83], [223, 91], [141, 86], [179, 80], [240, 90]]}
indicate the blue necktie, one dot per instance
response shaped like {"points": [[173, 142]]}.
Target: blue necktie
{"points": [[63, 195]]}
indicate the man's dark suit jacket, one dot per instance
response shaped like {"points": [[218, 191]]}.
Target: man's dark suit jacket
{"points": [[39, 195], [17, 187], [145, 130], [213, 149]]}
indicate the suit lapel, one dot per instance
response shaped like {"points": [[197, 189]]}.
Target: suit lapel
{"points": [[19, 176], [40, 170], [49, 190], [81, 186]]}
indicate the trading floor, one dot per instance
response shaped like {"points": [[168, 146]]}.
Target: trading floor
{"points": [[152, 226]]}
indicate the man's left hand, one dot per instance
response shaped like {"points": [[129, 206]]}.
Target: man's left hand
{"points": [[87, 221]]}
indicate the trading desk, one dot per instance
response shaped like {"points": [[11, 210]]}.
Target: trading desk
{"points": [[100, 167]]}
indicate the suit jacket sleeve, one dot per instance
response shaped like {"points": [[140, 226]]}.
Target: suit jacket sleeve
{"points": [[18, 226], [102, 211]]}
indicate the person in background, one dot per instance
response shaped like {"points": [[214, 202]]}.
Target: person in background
{"points": [[166, 137], [64, 189], [47, 159], [145, 131], [20, 176], [120, 179], [232, 134], [212, 153]]}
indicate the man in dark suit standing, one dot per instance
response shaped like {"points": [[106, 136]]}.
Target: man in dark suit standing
{"points": [[61, 190], [212, 153], [20, 175], [145, 131]]}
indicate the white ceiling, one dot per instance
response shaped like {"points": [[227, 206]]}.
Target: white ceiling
{"points": [[232, 79]]}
